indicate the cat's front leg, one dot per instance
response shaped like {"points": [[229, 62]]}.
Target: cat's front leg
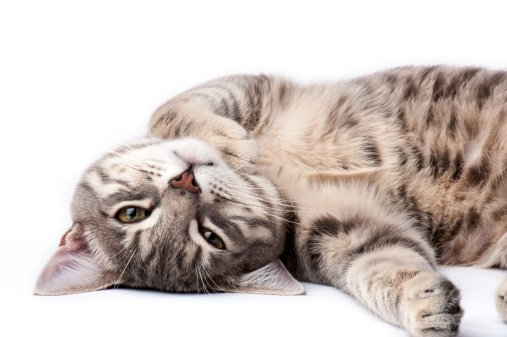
{"points": [[387, 265], [400, 286], [220, 112]]}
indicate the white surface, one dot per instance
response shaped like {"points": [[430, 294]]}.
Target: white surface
{"points": [[323, 311], [76, 79]]}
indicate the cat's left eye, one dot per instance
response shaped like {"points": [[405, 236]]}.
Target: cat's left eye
{"points": [[131, 214], [212, 238]]}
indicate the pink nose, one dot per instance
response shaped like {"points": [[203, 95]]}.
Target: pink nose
{"points": [[186, 181]]}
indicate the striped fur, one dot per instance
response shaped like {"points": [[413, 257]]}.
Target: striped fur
{"points": [[371, 181]]}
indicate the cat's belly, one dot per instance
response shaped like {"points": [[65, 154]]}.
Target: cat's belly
{"points": [[318, 197], [460, 234], [463, 227], [456, 209]]}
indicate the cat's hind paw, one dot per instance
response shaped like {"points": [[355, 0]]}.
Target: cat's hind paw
{"points": [[501, 300]]}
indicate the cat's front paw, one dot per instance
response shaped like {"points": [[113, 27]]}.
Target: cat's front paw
{"points": [[501, 300], [227, 137], [430, 306], [232, 143]]}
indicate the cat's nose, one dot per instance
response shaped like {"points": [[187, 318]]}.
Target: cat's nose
{"points": [[186, 181]]}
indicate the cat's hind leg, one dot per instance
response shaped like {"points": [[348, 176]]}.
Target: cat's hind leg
{"points": [[391, 271]]}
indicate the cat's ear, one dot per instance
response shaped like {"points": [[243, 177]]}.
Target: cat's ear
{"points": [[73, 268], [272, 279]]}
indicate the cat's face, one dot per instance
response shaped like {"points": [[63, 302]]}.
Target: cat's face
{"points": [[168, 215]]}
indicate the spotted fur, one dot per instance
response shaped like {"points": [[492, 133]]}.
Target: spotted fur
{"points": [[366, 185]]}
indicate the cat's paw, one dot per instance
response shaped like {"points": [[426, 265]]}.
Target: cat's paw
{"points": [[232, 143], [430, 306], [227, 137], [501, 300], [241, 155]]}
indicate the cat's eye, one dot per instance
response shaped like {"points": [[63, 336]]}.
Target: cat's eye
{"points": [[212, 238], [131, 214]]}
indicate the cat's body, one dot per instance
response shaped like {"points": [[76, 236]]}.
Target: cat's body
{"points": [[377, 180]]}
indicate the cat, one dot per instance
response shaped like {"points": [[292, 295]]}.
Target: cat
{"points": [[254, 184]]}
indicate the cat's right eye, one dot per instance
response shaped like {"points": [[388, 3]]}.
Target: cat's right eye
{"points": [[131, 214]]}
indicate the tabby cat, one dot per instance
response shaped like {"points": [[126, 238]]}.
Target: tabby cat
{"points": [[249, 183]]}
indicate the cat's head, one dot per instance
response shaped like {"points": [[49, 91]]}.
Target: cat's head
{"points": [[171, 215]]}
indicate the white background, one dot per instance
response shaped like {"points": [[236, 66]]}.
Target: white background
{"points": [[79, 77]]}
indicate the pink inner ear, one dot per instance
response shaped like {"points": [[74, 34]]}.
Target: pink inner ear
{"points": [[73, 268], [66, 258], [73, 239], [63, 260], [64, 237]]}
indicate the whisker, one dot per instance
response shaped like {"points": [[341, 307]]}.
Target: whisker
{"points": [[119, 278], [285, 206], [261, 198], [257, 206], [197, 278], [238, 172], [237, 169], [211, 279], [263, 211], [119, 251], [200, 275], [245, 189], [206, 279], [260, 188]]}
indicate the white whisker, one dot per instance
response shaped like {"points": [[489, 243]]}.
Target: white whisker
{"points": [[200, 276], [245, 189], [211, 279], [119, 252], [265, 212], [283, 208], [119, 278], [206, 279], [197, 277]]}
